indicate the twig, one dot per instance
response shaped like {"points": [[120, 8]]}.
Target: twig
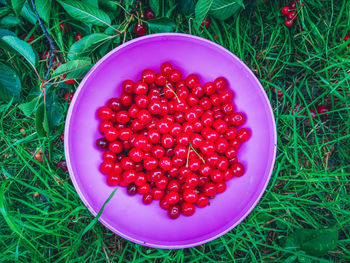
{"points": [[53, 49]]}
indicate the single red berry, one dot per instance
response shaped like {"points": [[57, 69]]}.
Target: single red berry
{"points": [[220, 126], [147, 198], [205, 22], [109, 156], [117, 168], [161, 79], [221, 145], [114, 104], [106, 167], [288, 23], [202, 200], [129, 176], [131, 189], [174, 211], [77, 37], [150, 163], [322, 110], [140, 179], [237, 119], [104, 113], [153, 136], [231, 152], [173, 185], [208, 147], [175, 76], [30, 39], [187, 209], [149, 14], [192, 80], [140, 28], [220, 83], [113, 179], [183, 139], [291, 15], [69, 96], [148, 76], [122, 117], [64, 27], [190, 196], [167, 141], [166, 69], [165, 163], [210, 134], [127, 163], [102, 143], [172, 197], [126, 99], [235, 143], [243, 134], [293, 5], [285, 10], [144, 189], [111, 134], [144, 116], [197, 91], [237, 169], [157, 193], [192, 180], [209, 88], [140, 87], [136, 154], [217, 176], [128, 86], [209, 189], [221, 187]]}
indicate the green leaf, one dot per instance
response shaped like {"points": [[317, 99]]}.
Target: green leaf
{"points": [[17, 5], [5, 32], [201, 10], [71, 66], [111, 31], [162, 24], [43, 7], [9, 21], [4, 10], [14, 44], [110, 6], [28, 14], [10, 84], [54, 112], [85, 12], [314, 242], [154, 5], [87, 44], [223, 9], [102, 50], [29, 107], [39, 120], [186, 6], [93, 3]]}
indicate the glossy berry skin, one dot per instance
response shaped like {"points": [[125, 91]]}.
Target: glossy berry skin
{"points": [[111, 134], [208, 147], [289, 23], [165, 163], [140, 28], [153, 136], [64, 27], [202, 200], [322, 110], [285, 10], [175, 76], [114, 104], [172, 197], [106, 167], [131, 189], [150, 163], [173, 185], [102, 143], [148, 76], [144, 189], [77, 37], [220, 83], [291, 15], [221, 187], [136, 155], [237, 169], [209, 88], [109, 156], [187, 209], [113, 180], [192, 80], [147, 198], [104, 113], [174, 211], [243, 134], [166, 69], [205, 22], [128, 86], [220, 126], [190, 196], [209, 189], [226, 96], [149, 14], [237, 119]]}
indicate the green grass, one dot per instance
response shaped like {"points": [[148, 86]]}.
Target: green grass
{"points": [[43, 218]]}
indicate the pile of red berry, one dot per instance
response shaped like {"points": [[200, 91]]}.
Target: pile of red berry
{"points": [[171, 139], [290, 12]]}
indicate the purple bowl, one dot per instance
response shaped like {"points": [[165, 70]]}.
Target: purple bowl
{"points": [[127, 216]]}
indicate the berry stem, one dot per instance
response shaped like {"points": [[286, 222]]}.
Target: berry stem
{"points": [[197, 153], [166, 85], [188, 155]]}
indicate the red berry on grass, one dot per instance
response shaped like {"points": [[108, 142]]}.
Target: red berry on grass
{"points": [[291, 15], [140, 28], [149, 14], [285, 10], [293, 5], [30, 39], [69, 96], [205, 22], [288, 23], [64, 27], [77, 37], [322, 110]]}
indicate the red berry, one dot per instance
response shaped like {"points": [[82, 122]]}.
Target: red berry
{"points": [[190, 196], [140, 28], [291, 15], [106, 167], [175, 76], [116, 147], [231, 152], [173, 185], [104, 113], [192, 80], [243, 134], [148, 76], [174, 211], [114, 104], [205, 22], [160, 79], [111, 134], [147, 198], [113, 179], [149, 14], [109, 156], [221, 145], [237, 118], [293, 5], [144, 189], [322, 110], [136, 155], [202, 200], [30, 39], [187, 209], [288, 23], [131, 189], [208, 147], [220, 83], [150, 163], [221, 187], [285, 10], [209, 189], [165, 163], [237, 169], [226, 96], [192, 180], [64, 27], [183, 139], [128, 86], [172, 197], [77, 37], [167, 141], [126, 99], [220, 126], [166, 69]]}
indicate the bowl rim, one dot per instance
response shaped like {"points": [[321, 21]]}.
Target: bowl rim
{"points": [[67, 154]]}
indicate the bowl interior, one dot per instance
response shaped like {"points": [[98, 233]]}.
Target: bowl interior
{"points": [[127, 216]]}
